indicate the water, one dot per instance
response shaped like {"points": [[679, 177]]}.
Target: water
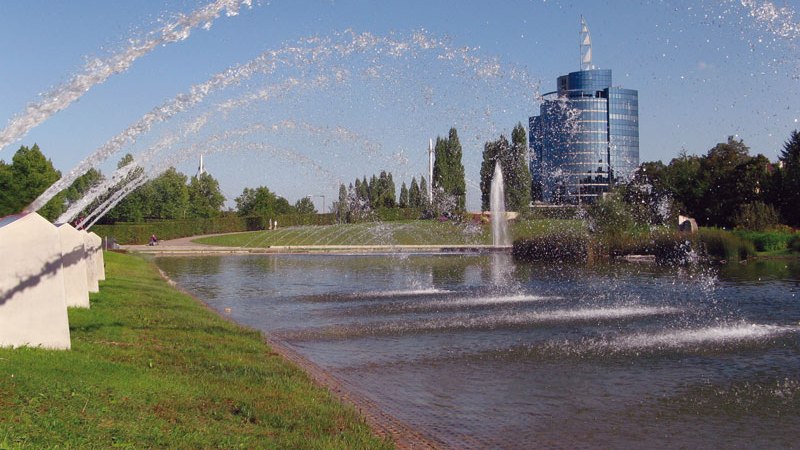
{"points": [[620, 356], [497, 205]]}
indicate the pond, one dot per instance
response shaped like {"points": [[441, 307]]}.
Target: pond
{"points": [[477, 351]]}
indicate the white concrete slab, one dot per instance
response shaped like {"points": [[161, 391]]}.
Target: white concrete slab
{"points": [[91, 265], [33, 310], [73, 261], [100, 267]]}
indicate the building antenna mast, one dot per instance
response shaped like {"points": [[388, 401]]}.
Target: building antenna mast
{"points": [[430, 171], [586, 46]]}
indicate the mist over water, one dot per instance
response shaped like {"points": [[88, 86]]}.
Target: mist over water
{"points": [[616, 356], [408, 78], [98, 70]]}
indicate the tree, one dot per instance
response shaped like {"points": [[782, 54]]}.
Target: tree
{"points": [[342, 206], [719, 168], [448, 172], [305, 206], [403, 195], [259, 202], [169, 196], [490, 151], [205, 197], [789, 180], [383, 191], [516, 173], [756, 216], [518, 181], [363, 193], [424, 198], [135, 207], [414, 200], [27, 177]]}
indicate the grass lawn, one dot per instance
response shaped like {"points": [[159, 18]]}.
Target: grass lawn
{"points": [[152, 367], [418, 232]]}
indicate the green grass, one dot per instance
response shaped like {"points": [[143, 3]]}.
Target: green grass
{"points": [[417, 232], [152, 367]]}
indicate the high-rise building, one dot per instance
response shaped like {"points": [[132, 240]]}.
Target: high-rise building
{"points": [[586, 136]]}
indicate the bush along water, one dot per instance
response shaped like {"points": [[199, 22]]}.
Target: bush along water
{"points": [[667, 246]]}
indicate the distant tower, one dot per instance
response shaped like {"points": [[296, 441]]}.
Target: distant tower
{"points": [[430, 171], [201, 169]]}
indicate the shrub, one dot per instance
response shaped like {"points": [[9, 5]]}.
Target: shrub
{"points": [[611, 216], [725, 245], [767, 241], [794, 243], [561, 247], [756, 216]]}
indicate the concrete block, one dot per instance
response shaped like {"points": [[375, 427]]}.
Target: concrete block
{"points": [[74, 260], [33, 310], [91, 264], [100, 267]]}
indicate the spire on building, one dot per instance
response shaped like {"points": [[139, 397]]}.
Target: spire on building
{"points": [[201, 169], [586, 46]]}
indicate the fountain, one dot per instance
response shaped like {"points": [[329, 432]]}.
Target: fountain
{"points": [[497, 205]]}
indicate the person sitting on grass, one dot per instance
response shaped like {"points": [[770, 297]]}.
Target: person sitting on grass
{"points": [[153, 240]]}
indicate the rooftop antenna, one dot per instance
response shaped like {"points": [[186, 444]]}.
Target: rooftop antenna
{"points": [[430, 170], [202, 169], [586, 47]]}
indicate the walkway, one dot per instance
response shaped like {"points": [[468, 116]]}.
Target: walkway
{"points": [[185, 246]]}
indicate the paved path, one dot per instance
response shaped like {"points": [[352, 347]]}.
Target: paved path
{"points": [[185, 246]]}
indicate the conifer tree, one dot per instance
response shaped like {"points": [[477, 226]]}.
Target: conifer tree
{"points": [[414, 200], [403, 202]]}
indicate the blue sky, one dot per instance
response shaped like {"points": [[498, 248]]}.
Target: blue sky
{"points": [[704, 70]]}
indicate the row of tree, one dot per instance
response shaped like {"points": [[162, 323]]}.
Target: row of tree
{"points": [[29, 175], [513, 160], [726, 187], [360, 197]]}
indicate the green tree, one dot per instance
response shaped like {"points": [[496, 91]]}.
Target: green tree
{"points": [[305, 206], [83, 184], [518, 181], [169, 196], [205, 197], [135, 207], [424, 198], [403, 203], [363, 193], [27, 177], [261, 202], [756, 216], [789, 180], [713, 188], [683, 179], [448, 173], [414, 200], [342, 206], [384, 195], [491, 150], [514, 164]]}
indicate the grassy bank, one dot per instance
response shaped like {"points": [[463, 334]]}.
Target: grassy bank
{"points": [[417, 232], [414, 232], [151, 367]]}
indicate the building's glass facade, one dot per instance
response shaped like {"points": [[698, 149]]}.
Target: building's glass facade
{"points": [[585, 138]]}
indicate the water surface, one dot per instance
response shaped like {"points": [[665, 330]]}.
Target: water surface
{"points": [[476, 351]]}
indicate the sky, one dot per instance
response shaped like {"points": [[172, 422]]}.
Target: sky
{"points": [[704, 70]]}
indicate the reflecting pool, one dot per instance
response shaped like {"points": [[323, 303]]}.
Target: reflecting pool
{"points": [[476, 351]]}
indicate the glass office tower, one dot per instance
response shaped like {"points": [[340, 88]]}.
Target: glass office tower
{"points": [[585, 138]]}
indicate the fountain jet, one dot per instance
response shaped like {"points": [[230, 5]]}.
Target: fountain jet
{"points": [[497, 206]]}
